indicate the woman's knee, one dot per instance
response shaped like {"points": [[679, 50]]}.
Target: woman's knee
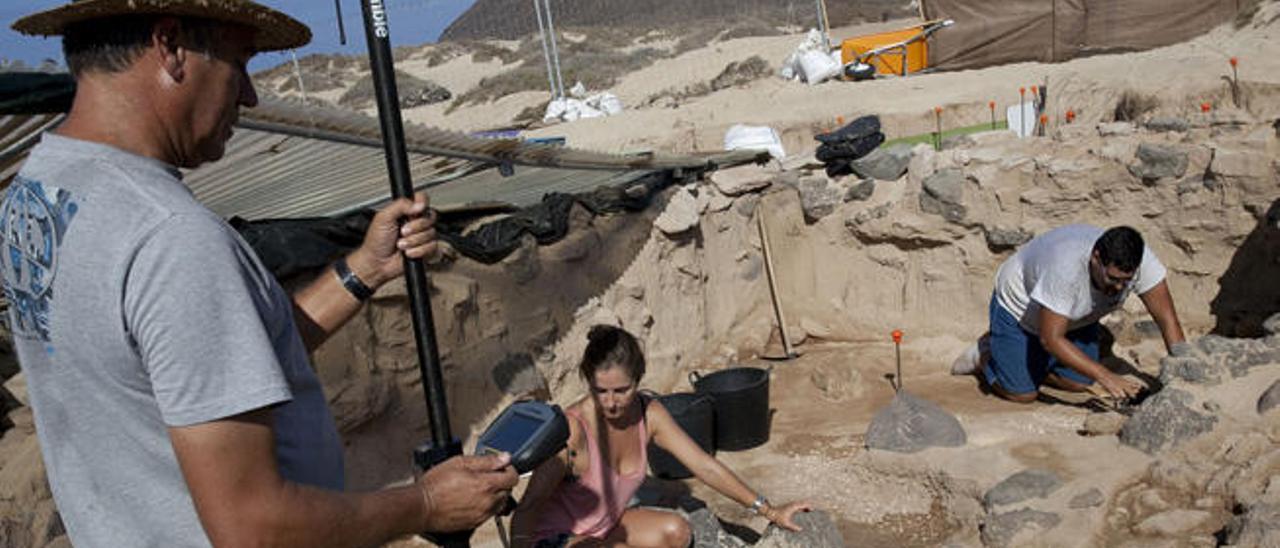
{"points": [[676, 532]]}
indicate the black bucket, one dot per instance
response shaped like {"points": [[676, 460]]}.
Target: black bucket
{"points": [[741, 399], [695, 414]]}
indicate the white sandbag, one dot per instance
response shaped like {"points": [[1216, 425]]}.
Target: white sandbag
{"points": [[555, 110], [743, 137], [578, 91], [607, 103], [817, 67]]}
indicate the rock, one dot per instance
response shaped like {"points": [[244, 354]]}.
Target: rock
{"points": [[943, 194], [517, 375], [818, 532], [884, 163], [1016, 528], [1240, 163], [1176, 523], [1163, 421], [1191, 369], [1027, 484], [958, 141], [746, 205], [1114, 129], [861, 191], [1103, 424], [707, 531], [1152, 501], [909, 424], [741, 180], [837, 382], [680, 215], [818, 197], [1000, 239], [1269, 399], [1088, 499], [1167, 123], [1181, 350], [1258, 526], [1272, 325], [1156, 161], [719, 202]]}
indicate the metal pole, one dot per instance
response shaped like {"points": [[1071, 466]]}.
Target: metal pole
{"points": [[546, 52], [555, 49], [381, 62]]}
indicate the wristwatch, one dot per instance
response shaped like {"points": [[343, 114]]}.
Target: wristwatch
{"points": [[351, 282], [757, 506]]}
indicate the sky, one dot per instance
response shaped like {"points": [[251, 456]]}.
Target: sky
{"points": [[412, 22]]}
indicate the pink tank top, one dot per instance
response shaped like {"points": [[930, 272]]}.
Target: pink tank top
{"points": [[592, 504]]}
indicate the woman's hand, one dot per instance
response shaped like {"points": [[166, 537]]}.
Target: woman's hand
{"points": [[781, 516]]}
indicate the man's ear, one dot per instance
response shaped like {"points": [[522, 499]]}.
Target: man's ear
{"points": [[166, 48]]}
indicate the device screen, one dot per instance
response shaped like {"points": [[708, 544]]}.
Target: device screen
{"points": [[514, 432]]}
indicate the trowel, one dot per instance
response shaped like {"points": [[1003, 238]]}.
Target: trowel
{"points": [[909, 423]]}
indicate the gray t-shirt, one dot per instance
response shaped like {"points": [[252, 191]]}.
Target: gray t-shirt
{"points": [[134, 308]]}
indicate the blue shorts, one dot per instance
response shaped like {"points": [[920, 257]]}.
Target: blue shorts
{"points": [[1019, 363]]}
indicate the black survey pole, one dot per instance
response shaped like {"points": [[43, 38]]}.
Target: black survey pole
{"points": [[442, 445]]}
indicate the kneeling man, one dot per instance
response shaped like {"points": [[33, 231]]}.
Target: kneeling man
{"points": [[1046, 305]]}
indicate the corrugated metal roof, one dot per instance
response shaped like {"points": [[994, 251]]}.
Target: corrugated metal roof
{"points": [[288, 161]]}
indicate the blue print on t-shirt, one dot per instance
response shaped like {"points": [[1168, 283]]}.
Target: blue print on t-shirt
{"points": [[31, 228]]}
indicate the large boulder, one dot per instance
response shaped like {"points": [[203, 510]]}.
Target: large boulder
{"points": [[1157, 161], [1024, 485], [1259, 525], [1163, 421], [1017, 528], [818, 531], [884, 163], [1192, 369], [1167, 123], [818, 197], [909, 424], [680, 215], [707, 531], [861, 191], [1005, 239], [741, 180], [943, 195]]}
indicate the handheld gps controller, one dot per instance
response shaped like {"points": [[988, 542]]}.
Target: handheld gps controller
{"points": [[530, 431]]}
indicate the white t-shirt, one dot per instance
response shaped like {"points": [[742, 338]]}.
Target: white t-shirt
{"points": [[1053, 271]]}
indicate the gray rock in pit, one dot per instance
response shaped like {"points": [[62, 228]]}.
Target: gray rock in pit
{"points": [[1258, 526], [1006, 529], [818, 532], [884, 164], [818, 197], [707, 532], [1167, 123], [909, 424], [1156, 161], [1163, 421], [1191, 369], [1088, 499], [943, 194], [861, 191], [1027, 484], [1000, 239]]}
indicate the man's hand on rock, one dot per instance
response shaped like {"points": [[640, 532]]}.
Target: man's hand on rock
{"points": [[462, 492]]}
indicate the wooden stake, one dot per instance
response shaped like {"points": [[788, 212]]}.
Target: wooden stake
{"points": [[773, 284]]}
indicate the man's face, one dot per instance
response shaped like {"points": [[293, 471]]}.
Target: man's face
{"points": [[1108, 279], [219, 85]]}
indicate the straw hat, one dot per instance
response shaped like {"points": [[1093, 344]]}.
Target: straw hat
{"points": [[276, 31]]}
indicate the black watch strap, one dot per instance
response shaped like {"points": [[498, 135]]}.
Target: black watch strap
{"points": [[349, 280]]}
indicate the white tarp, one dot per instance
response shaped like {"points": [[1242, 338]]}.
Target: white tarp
{"points": [[754, 138]]}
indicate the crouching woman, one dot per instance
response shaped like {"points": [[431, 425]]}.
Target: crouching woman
{"points": [[581, 497]]}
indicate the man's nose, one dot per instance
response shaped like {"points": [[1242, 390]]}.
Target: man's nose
{"points": [[248, 95]]}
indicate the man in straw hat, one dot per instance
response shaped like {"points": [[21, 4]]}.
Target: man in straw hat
{"points": [[170, 383]]}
